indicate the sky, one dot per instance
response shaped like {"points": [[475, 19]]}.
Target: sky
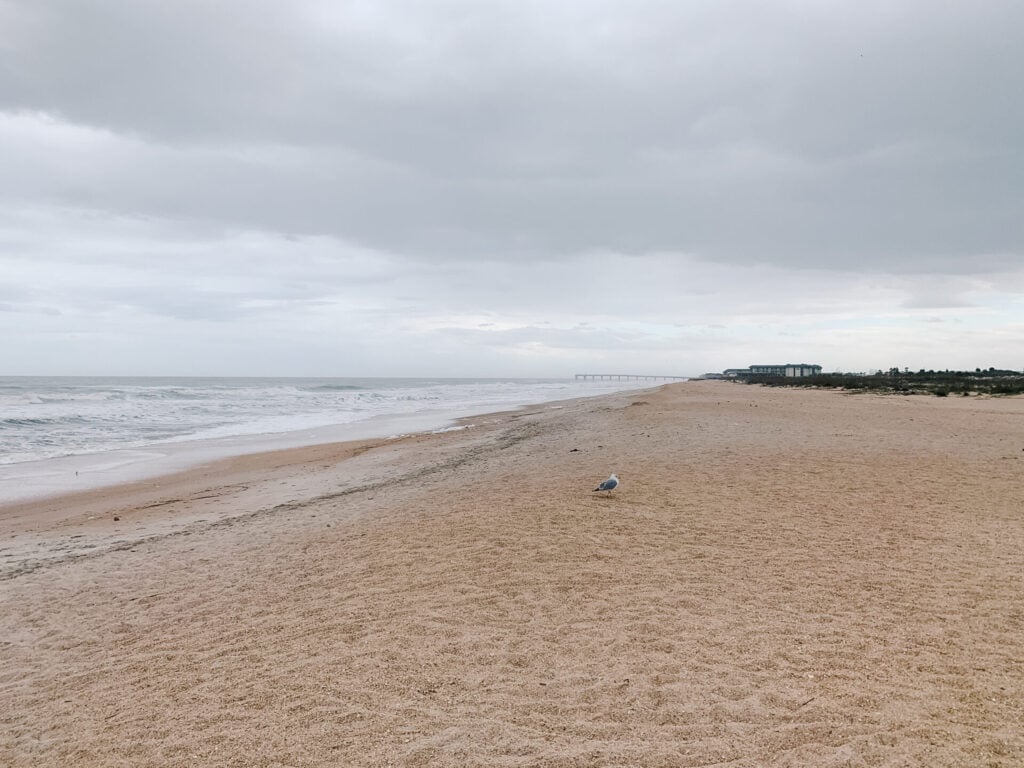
{"points": [[509, 188]]}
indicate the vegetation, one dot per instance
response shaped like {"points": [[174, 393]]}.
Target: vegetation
{"points": [[939, 383]]}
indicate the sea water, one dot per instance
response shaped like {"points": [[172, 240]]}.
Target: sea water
{"points": [[62, 433]]}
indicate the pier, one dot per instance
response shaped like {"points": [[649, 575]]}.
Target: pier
{"points": [[626, 377]]}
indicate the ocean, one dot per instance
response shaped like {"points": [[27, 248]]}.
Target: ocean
{"points": [[68, 433]]}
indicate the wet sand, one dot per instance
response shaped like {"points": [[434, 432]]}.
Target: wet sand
{"points": [[784, 578]]}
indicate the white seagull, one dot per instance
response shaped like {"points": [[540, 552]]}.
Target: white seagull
{"points": [[609, 485]]}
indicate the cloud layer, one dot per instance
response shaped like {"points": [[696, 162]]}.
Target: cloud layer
{"points": [[401, 187]]}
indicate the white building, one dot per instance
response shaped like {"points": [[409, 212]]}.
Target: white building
{"points": [[791, 370], [788, 369]]}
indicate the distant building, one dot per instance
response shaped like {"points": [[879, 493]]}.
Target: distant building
{"points": [[791, 370]]}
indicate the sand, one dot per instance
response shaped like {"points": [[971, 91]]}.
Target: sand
{"points": [[784, 578]]}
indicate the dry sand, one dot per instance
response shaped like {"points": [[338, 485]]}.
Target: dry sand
{"points": [[784, 578]]}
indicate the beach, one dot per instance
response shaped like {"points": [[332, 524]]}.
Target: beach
{"points": [[783, 578]]}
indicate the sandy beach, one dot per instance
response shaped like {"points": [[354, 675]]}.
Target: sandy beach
{"points": [[784, 578]]}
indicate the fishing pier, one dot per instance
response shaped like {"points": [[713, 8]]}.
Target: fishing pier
{"points": [[626, 377]]}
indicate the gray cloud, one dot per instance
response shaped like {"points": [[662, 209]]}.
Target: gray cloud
{"points": [[791, 133], [475, 180]]}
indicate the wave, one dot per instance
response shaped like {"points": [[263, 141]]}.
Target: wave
{"points": [[335, 388], [46, 417], [40, 421]]}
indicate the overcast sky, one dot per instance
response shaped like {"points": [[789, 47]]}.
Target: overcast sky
{"points": [[258, 187]]}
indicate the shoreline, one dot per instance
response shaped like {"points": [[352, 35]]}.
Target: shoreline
{"points": [[785, 577], [37, 480], [43, 530]]}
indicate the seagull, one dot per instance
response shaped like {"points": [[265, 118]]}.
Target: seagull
{"points": [[609, 485]]}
